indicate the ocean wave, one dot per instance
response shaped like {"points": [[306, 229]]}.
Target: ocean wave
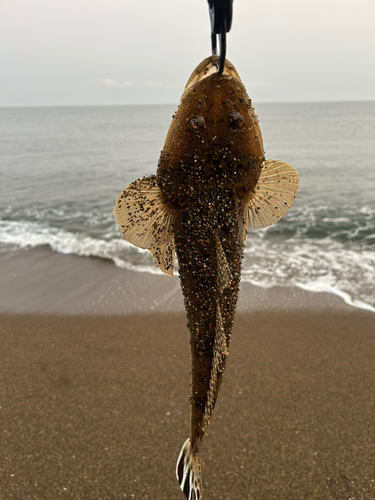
{"points": [[272, 258], [16, 234], [341, 224], [315, 265], [70, 216]]}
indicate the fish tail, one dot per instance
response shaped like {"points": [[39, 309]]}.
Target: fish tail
{"points": [[188, 472]]}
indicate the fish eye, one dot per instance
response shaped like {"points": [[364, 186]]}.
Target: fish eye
{"points": [[235, 119], [197, 122]]}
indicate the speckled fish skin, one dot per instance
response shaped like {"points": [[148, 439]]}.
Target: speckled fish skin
{"points": [[212, 157]]}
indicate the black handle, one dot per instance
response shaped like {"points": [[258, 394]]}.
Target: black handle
{"points": [[221, 14]]}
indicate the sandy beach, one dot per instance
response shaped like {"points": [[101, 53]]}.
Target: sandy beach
{"points": [[94, 389]]}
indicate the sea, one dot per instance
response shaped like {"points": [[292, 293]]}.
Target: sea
{"points": [[61, 169]]}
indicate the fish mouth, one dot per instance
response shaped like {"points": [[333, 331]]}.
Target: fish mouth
{"points": [[208, 67]]}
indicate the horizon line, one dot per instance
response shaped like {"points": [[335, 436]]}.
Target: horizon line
{"points": [[18, 106]]}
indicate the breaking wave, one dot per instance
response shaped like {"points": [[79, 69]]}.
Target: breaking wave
{"points": [[316, 249]]}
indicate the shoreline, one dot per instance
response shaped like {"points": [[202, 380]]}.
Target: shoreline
{"points": [[38, 280]]}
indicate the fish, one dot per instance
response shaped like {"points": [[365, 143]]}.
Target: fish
{"points": [[212, 185]]}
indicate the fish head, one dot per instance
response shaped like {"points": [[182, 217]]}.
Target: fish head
{"points": [[212, 177], [214, 143], [208, 67]]}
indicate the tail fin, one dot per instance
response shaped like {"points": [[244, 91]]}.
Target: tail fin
{"points": [[188, 472]]}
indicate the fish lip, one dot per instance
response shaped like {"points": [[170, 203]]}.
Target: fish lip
{"points": [[209, 67]]}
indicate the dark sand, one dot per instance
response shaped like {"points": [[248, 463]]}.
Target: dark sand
{"points": [[96, 407]]}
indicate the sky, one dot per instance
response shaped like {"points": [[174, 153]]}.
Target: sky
{"points": [[97, 52]]}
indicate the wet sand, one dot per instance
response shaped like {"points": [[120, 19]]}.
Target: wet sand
{"points": [[96, 406], [45, 282]]}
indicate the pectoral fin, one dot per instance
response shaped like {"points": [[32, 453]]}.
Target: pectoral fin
{"points": [[273, 195], [146, 222]]}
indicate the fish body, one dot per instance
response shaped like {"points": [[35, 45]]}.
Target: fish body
{"points": [[212, 185], [212, 157]]}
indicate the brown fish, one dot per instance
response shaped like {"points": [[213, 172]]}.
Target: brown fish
{"points": [[212, 185]]}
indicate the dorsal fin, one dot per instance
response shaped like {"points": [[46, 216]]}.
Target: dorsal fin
{"points": [[273, 195], [220, 354], [224, 275], [146, 222]]}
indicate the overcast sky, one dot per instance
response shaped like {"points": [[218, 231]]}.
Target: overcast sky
{"points": [[79, 52]]}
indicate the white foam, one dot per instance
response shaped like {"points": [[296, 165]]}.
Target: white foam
{"points": [[317, 287], [139, 269], [33, 234], [317, 265], [347, 271]]}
